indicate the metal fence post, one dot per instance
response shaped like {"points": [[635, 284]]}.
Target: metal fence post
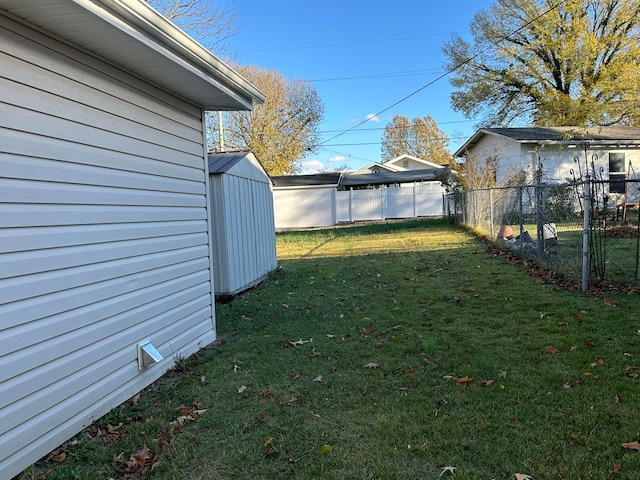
{"points": [[491, 212], [585, 233], [521, 214]]}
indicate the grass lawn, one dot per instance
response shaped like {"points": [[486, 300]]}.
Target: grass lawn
{"points": [[395, 351]]}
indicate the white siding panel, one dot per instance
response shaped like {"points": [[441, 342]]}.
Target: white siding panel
{"points": [[83, 157], [104, 238], [23, 239], [304, 208]]}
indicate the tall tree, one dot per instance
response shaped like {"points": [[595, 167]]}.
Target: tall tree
{"points": [[420, 138], [210, 22], [550, 63], [281, 131]]}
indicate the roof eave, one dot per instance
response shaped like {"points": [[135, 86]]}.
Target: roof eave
{"points": [[155, 30]]}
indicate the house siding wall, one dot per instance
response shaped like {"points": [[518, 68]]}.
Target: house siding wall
{"points": [[244, 230], [103, 238]]}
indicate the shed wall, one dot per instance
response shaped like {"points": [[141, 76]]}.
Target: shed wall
{"points": [[104, 238], [244, 232]]}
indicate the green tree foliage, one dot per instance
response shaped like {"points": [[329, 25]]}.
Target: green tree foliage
{"points": [[550, 63], [282, 130], [420, 138]]}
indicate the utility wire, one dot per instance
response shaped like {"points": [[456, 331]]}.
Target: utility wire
{"points": [[440, 77]]}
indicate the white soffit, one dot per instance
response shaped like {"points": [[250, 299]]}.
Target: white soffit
{"points": [[132, 34]]}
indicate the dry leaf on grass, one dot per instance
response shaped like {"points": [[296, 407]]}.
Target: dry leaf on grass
{"points": [[522, 476], [464, 381], [631, 445], [451, 470], [549, 350], [371, 365]]}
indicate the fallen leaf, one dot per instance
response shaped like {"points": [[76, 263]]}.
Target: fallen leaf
{"points": [[265, 393], [587, 342], [296, 376], [318, 379], [268, 441], [241, 389], [575, 439], [326, 448], [464, 381], [630, 368], [631, 445], [573, 348], [260, 416], [397, 327], [371, 365], [616, 468], [141, 462], [599, 361], [57, 456], [271, 452], [451, 470], [549, 350], [522, 476], [488, 383], [410, 372]]}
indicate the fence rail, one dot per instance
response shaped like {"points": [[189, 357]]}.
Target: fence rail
{"points": [[582, 229]]}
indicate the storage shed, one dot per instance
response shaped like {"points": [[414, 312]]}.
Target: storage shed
{"points": [[105, 242], [244, 235]]}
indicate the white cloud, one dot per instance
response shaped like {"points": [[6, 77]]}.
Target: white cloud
{"points": [[372, 117], [338, 158], [311, 167]]}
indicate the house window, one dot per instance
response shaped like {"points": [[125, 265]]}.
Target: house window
{"points": [[617, 175], [375, 170], [405, 163]]}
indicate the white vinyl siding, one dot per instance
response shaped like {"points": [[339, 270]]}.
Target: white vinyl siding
{"points": [[104, 238]]}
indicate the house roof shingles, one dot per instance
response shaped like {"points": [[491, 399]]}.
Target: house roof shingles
{"points": [[566, 135]]}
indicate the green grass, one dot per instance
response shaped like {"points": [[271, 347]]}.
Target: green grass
{"points": [[427, 305]]}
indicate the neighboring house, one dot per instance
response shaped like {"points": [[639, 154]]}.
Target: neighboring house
{"points": [[563, 153], [105, 240], [242, 222], [398, 164]]}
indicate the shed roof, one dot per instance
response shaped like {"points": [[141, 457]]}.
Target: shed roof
{"points": [[133, 35], [384, 178], [616, 136], [326, 179], [240, 163]]}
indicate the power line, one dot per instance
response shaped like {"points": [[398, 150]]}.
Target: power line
{"points": [[440, 77], [345, 44]]}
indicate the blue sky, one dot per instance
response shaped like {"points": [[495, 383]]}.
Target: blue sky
{"points": [[362, 56]]}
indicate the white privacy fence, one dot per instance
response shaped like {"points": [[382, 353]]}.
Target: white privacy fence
{"points": [[296, 210]]}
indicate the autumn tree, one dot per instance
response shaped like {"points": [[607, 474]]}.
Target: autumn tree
{"points": [[212, 23], [550, 63], [282, 130], [421, 138]]}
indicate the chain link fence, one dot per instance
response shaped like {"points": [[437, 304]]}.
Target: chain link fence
{"points": [[586, 230]]}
